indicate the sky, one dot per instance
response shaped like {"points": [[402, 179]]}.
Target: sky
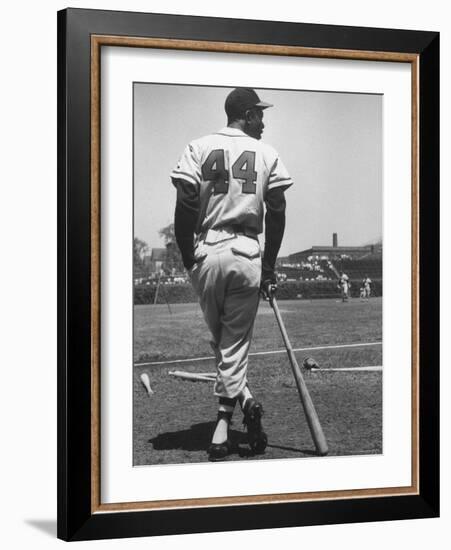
{"points": [[331, 144]]}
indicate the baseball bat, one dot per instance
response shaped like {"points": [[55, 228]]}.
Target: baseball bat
{"points": [[194, 376], [146, 383], [309, 409]]}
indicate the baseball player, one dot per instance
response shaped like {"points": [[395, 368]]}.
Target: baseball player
{"points": [[362, 293], [367, 287], [344, 285], [224, 182]]}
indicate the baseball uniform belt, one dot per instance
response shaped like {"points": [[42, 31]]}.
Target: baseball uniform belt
{"points": [[214, 236]]}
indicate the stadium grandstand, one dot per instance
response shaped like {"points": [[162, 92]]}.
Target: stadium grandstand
{"points": [[308, 274], [323, 262]]}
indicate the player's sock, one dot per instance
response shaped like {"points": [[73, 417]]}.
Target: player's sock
{"points": [[227, 404], [221, 433], [225, 412], [244, 396]]}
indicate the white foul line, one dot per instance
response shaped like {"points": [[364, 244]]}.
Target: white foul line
{"points": [[339, 369], [211, 376], [209, 358]]}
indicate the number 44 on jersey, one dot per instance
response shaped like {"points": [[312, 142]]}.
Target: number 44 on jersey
{"points": [[214, 169]]}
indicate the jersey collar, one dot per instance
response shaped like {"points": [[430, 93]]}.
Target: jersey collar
{"points": [[232, 132]]}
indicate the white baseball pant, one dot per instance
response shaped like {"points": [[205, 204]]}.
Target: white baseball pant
{"points": [[226, 278]]}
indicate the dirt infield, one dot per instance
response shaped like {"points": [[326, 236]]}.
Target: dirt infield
{"points": [[175, 424]]}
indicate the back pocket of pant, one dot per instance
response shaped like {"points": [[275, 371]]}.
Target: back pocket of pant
{"points": [[248, 255]]}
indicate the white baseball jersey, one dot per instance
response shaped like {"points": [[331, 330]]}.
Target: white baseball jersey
{"points": [[232, 172]]}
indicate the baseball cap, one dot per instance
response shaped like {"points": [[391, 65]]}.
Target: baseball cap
{"points": [[241, 99]]}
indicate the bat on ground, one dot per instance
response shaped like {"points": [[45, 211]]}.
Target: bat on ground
{"points": [[146, 383], [194, 376], [307, 403]]}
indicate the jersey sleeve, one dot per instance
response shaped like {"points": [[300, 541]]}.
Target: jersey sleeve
{"points": [[278, 174], [188, 167]]}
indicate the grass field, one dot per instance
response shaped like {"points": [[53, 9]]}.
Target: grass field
{"points": [[175, 424]]}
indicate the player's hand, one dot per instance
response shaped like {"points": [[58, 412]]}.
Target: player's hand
{"points": [[268, 289]]}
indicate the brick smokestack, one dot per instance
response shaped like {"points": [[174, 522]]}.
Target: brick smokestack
{"points": [[334, 240]]}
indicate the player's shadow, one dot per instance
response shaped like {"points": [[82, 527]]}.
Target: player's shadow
{"points": [[308, 452], [245, 452], [195, 438], [198, 438]]}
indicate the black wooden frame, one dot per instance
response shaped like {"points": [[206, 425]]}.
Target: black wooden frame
{"points": [[75, 519]]}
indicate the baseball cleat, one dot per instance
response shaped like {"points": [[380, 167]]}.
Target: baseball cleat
{"points": [[257, 438], [218, 451]]}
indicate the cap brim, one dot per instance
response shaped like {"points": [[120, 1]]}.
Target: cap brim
{"points": [[263, 105]]}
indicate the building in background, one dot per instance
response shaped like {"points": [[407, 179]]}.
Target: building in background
{"points": [[324, 262], [154, 261], [335, 252]]}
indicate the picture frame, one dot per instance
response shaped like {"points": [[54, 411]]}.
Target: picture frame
{"points": [[81, 36]]}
